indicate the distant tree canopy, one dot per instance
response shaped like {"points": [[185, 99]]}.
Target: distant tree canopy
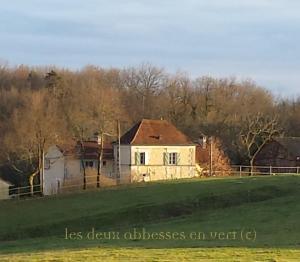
{"points": [[42, 106]]}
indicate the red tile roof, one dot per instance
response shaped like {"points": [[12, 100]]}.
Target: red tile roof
{"points": [[91, 150], [155, 132]]}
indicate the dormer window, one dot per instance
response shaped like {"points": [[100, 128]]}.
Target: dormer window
{"points": [[158, 137]]}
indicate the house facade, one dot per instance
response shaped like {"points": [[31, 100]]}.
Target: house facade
{"points": [[65, 167], [154, 150], [151, 150]]}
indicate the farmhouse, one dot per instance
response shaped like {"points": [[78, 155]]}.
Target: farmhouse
{"points": [[280, 152], [150, 150], [154, 150], [65, 166]]}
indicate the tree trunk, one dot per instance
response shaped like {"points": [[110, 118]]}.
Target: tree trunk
{"points": [[100, 156], [41, 167], [255, 154], [84, 174], [82, 157], [31, 180]]}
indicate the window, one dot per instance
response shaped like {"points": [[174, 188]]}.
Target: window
{"points": [[140, 158], [47, 163], [172, 157], [66, 173], [117, 154], [89, 164]]}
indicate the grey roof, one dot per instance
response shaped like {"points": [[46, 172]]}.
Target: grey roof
{"points": [[292, 144]]}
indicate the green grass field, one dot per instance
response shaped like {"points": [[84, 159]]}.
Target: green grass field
{"points": [[232, 219]]}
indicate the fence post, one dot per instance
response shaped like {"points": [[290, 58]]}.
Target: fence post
{"points": [[297, 170], [270, 170], [240, 171]]}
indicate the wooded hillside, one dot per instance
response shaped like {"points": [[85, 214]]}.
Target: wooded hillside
{"points": [[47, 105]]}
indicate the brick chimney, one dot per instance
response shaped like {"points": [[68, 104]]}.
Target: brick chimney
{"points": [[203, 141]]}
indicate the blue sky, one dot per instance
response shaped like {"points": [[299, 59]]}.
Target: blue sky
{"points": [[257, 39]]}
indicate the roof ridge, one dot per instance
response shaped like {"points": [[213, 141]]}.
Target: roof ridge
{"points": [[290, 143], [135, 135], [147, 130], [155, 120]]}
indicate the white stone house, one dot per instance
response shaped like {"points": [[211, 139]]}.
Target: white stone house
{"points": [[154, 150]]}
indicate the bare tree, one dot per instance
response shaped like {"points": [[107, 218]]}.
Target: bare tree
{"points": [[205, 86], [177, 100], [145, 82], [256, 131]]}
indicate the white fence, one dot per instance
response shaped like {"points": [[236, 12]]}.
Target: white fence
{"points": [[263, 170], [235, 171]]}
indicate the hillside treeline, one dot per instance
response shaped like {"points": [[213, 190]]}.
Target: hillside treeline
{"points": [[48, 105]]}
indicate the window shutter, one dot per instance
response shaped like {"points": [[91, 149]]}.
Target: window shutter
{"points": [[137, 158], [166, 159], [177, 158], [146, 158]]}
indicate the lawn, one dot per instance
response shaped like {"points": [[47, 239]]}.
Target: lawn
{"points": [[212, 219], [174, 254]]}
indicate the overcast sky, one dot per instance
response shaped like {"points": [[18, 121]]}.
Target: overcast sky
{"points": [[257, 39]]}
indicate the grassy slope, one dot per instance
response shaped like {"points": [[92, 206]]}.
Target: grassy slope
{"points": [[269, 205]]}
